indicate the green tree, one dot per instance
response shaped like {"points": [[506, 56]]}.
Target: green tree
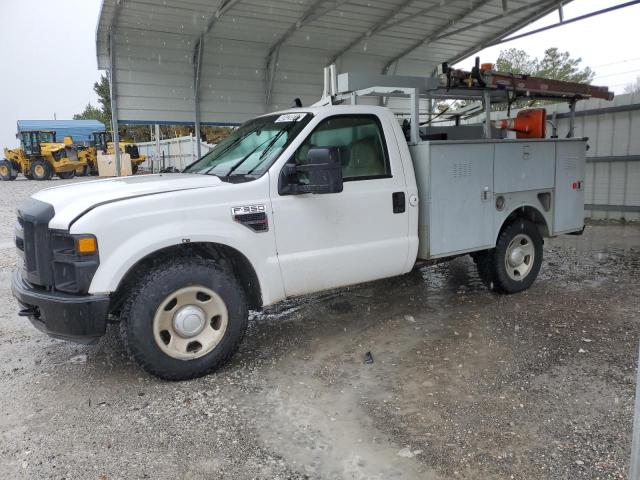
{"points": [[103, 90], [91, 113], [102, 113], [554, 64], [513, 60]]}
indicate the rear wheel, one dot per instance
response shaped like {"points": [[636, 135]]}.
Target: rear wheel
{"points": [[40, 170], [134, 169], [7, 172], [66, 175], [184, 319], [515, 262]]}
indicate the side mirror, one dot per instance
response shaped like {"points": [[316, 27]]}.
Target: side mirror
{"points": [[321, 174]]}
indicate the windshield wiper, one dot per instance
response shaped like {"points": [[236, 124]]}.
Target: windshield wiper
{"points": [[228, 147], [242, 160], [263, 155]]}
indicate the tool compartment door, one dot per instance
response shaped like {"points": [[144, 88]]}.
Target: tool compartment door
{"points": [[568, 212], [521, 166], [461, 205]]}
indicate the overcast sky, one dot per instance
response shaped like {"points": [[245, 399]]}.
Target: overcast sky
{"points": [[48, 61]]}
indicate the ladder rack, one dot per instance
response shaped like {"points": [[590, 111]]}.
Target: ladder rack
{"points": [[481, 84]]}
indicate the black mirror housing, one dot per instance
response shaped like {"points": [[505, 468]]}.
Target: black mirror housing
{"points": [[321, 174]]}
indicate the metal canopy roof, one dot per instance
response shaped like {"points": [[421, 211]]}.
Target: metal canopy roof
{"points": [[226, 60]]}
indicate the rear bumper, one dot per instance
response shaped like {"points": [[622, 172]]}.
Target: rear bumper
{"points": [[78, 318]]}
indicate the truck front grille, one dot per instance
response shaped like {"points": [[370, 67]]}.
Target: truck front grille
{"points": [[33, 241]]}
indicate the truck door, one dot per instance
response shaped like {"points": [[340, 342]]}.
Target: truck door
{"points": [[360, 234]]}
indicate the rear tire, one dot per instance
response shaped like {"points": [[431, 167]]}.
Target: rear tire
{"points": [[7, 172], [40, 170], [134, 169], [184, 318], [66, 175], [515, 262]]}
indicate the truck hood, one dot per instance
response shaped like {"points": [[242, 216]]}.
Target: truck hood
{"points": [[71, 201]]}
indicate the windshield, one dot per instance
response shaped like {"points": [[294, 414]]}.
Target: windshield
{"points": [[252, 148], [47, 137]]}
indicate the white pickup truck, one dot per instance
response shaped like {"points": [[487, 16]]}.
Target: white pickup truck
{"points": [[290, 203]]}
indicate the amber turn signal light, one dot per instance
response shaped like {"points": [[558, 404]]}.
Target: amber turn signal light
{"points": [[86, 245]]}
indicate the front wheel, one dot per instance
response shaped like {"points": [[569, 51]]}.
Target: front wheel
{"points": [[515, 262], [184, 319], [41, 170]]}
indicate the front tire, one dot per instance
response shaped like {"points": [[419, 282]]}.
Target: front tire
{"points": [[515, 262], [40, 170], [184, 319]]}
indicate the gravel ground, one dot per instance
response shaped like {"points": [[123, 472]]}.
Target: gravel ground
{"points": [[464, 383]]}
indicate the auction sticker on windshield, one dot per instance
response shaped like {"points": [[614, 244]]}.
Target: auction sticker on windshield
{"points": [[290, 117]]}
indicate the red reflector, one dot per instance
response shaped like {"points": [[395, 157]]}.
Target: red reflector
{"points": [[575, 185]]}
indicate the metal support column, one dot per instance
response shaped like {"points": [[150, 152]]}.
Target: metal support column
{"points": [[572, 118], [157, 135], [634, 468], [197, 67], [487, 113], [114, 105], [415, 116]]}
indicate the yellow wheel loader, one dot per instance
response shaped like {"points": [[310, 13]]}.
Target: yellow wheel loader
{"points": [[102, 142], [39, 157]]}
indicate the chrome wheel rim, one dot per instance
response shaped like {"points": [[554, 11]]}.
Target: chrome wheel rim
{"points": [[190, 322], [519, 257]]}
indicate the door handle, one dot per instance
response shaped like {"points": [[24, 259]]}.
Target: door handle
{"points": [[399, 203]]}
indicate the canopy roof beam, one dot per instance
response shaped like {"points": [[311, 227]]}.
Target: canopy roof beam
{"points": [[313, 12], [550, 7], [224, 7], [489, 20], [376, 28], [563, 22], [198, 50], [426, 40]]}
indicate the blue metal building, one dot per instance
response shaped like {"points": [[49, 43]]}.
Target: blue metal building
{"points": [[79, 130]]}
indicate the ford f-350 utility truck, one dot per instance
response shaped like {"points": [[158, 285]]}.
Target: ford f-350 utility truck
{"points": [[290, 203]]}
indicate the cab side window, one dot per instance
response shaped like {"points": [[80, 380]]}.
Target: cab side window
{"points": [[360, 140]]}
